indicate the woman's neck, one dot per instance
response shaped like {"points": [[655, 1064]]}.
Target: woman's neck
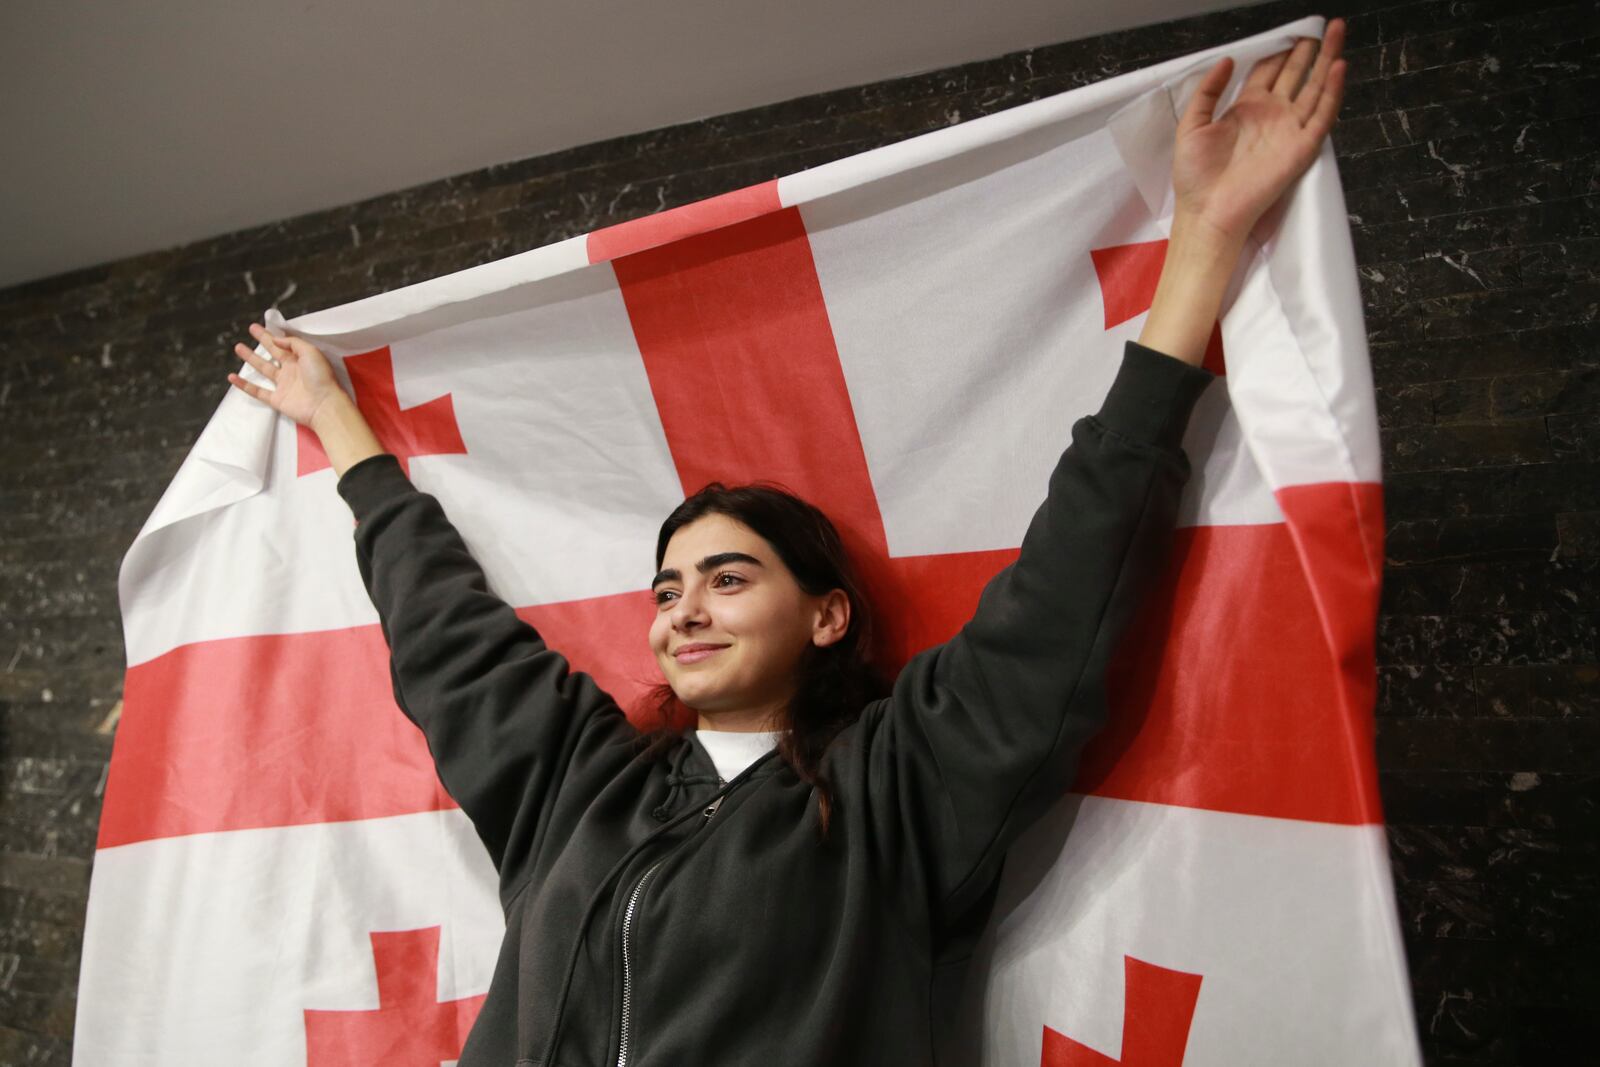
{"points": [[759, 720]]}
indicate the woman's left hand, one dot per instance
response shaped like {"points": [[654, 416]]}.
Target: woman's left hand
{"points": [[1228, 171]]}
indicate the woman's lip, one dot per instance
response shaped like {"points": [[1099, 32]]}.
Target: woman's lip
{"points": [[696, 653]]}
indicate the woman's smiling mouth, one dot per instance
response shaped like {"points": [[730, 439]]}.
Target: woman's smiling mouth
{"points": [[696, 652]]}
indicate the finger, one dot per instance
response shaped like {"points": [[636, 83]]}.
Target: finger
{"points": [[1294, 68], [1327, 111], [1305, 104], [277, 347], [1204, 102], [1333, 38], [251, 389], [245, 353], [1265, 72]]}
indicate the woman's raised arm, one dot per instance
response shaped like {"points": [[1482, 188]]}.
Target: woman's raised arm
{"points": [[505, 719], [983, 733]]}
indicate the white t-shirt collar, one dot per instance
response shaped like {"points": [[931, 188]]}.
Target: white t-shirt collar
{"points": [[732, 751]]}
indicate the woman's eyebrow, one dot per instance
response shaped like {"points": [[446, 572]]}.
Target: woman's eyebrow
{"points": [[716, 560], [720, 558]]}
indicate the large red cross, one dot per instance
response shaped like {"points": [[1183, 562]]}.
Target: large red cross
{"points": [[1220, 694], [410, 1027]]}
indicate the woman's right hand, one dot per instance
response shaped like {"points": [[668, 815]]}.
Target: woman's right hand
{"points": [[308, 393], [302, 375]]}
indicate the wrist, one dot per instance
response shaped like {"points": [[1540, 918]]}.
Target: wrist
{"points": [[346, 437], [334, 408], [1205, 243]]}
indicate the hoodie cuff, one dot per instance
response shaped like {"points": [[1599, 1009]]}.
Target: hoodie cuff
{"points": [[1153, 396], [372, 481]]}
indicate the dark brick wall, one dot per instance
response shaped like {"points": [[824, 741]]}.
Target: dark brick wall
{"points": [[1468, 149]]}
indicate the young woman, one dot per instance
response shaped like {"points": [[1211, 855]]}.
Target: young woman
{"points": [[814, 902]]}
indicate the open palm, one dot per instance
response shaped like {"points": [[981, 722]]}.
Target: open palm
{"points": [[1228, 171], [301, 376]]}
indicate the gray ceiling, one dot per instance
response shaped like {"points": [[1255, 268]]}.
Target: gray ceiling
{"points": [[136, 126]]}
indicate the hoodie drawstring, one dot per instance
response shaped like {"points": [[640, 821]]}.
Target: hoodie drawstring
{"points": [[676, 780]]}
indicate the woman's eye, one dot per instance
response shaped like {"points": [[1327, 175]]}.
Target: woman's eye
{"points": [[664, 595], [731, 580]]}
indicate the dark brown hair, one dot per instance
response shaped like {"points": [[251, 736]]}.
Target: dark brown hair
{"points": [[837, 681]]}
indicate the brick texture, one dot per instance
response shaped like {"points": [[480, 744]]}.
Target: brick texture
{"points": [[1470, 151]]}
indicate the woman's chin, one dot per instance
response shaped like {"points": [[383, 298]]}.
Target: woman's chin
{"points": [[693, 695], [703, 698], [702, 702]]}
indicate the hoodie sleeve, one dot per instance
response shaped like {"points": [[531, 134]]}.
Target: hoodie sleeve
{"points": [[981, 735], [503, 715]]}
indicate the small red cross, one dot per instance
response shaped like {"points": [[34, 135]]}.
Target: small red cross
{"points": [[428, 429], [1158, 1006], [410, 1027], [1128, 278]]}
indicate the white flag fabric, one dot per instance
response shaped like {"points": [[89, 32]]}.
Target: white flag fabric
{"points": [[903, 337]]}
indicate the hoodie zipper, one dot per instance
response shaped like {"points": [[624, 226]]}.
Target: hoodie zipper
{"points": [[627, 927]]}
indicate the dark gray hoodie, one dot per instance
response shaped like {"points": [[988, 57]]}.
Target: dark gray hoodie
{"points": [[654, 918]]}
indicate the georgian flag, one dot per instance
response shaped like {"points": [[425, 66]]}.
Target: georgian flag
{"points": [[903, 337]]}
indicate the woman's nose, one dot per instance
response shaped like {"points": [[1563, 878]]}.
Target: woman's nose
{"points": [[689, 612]]}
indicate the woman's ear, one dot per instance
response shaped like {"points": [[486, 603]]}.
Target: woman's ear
{"points": [[832, 619]]}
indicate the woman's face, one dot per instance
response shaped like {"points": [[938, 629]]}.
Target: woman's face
{"points": [[732, 623]]}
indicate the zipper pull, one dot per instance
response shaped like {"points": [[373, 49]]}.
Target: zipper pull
{"points": [[712, 810]]}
